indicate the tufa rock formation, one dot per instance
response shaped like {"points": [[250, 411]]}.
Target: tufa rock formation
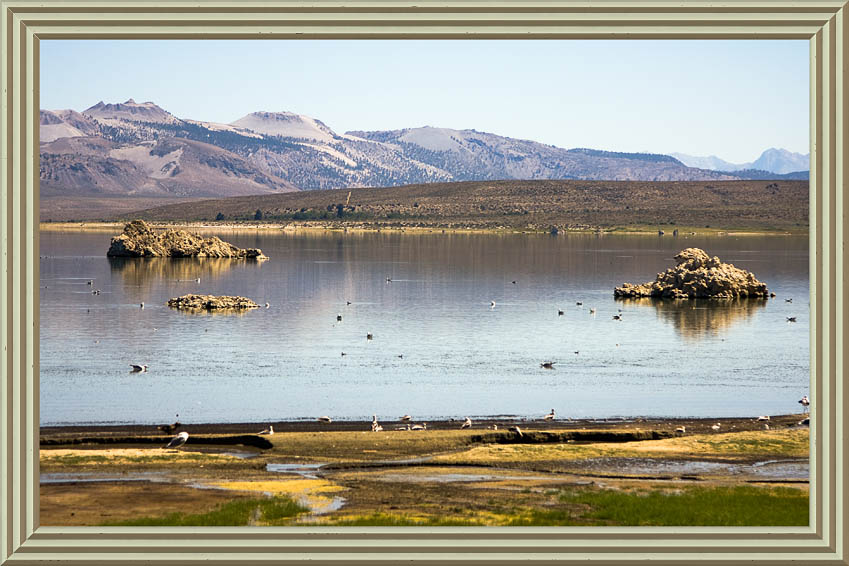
{"points": [[211, 302], [698, 276], [139, 240]]}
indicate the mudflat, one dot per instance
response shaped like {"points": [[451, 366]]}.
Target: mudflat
{"points": [[605, 472]]}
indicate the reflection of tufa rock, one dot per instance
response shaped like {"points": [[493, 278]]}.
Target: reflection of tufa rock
{"points": [[698, 276], [139, 240], [211, 302]]}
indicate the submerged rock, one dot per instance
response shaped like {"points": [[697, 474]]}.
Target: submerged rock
{"points": [[139, 240], [698, 276], [211, 302]]}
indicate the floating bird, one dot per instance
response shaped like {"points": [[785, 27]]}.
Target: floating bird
{"points": [[405, 418], [514, 282], [269, 430], [791, 319], [617, 317], [559, 313], [577, 352], [344, 354], [347, 302], [324, 419], [422, 426], [141, 306], [579, 303], [197, 280], [267, 305], [338, 318], [716, 426], [178, 440], [369, 336], [492, 304], [680, 430], [388, 280], [467, 423], [516, 429], [547, 365], [805, 402], [763, 418], [592, 311], [138, 368], [401, 356], [788, 300], [90, 283], [549, 416]]}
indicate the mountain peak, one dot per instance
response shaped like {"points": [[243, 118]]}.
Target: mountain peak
{"points": [[285, 124], [132, 111]]}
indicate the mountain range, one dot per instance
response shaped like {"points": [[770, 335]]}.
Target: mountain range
{"points": [[135, 149], [773, 160]]}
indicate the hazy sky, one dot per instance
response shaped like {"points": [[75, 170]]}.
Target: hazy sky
{"points": [[732, 99]]}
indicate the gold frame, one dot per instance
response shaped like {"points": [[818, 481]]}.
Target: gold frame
{"points": [[26, 22]]}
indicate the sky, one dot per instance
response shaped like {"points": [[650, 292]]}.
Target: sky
{"points": [[732, 99]]}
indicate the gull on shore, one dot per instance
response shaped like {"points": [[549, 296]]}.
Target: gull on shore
{"points": [[422, 426], [805, 402], [269, 430], [138, 368], [549, 416], [178, 440], [324, 419], [516, 429], [405, 418], [467, 423], [717, 426], [681, 430], [763, 418]]}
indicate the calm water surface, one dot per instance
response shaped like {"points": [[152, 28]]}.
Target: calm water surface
{"points": [[460, 356]]}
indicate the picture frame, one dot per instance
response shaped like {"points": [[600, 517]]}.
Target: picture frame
{"points": [[26, 22]]}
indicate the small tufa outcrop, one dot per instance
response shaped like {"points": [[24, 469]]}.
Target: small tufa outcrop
{"points": [[139, 240], [211, 303], [698, 276]]}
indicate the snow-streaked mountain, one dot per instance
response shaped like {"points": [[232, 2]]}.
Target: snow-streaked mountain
{"points": [[141, 149], [285, 124], [773, 160]]}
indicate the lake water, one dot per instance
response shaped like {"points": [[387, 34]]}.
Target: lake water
{"points": [[460, 355]]}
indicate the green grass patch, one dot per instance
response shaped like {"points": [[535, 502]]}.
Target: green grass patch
{"points": [[265, 511], [736, 506]]}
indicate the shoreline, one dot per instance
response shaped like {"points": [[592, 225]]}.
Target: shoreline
{"points": [[314, 227], [657, 423]]}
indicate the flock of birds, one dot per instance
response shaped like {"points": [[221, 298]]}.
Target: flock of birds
{"points": [[182, 437]]}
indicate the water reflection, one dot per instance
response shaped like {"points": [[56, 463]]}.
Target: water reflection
{"points": [[696, 318], [141, 272]]}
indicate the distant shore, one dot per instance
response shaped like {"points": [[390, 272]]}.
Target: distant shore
{"points": [[318, 227]]}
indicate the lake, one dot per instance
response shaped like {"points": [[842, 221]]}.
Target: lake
{"points": [[439, 350]]}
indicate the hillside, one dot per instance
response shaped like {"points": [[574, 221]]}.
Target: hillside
{"points": [[538, 205]]}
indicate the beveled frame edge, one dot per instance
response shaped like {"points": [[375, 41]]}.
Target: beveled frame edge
{"points": [[24, 23]]}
